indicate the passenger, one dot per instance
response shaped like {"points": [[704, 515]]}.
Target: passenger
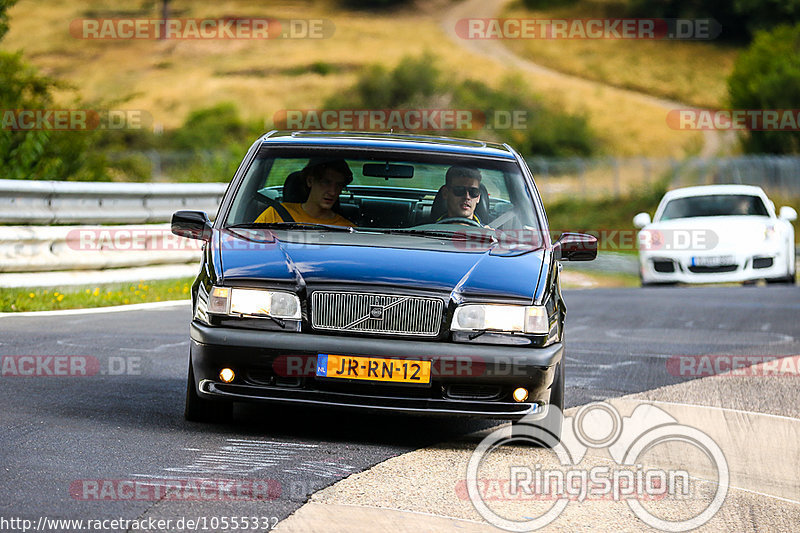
{"points": [[462, 193], [325, 181]]}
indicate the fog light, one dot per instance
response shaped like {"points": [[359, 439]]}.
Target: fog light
{"points": [[520, 394], [227, 375]]}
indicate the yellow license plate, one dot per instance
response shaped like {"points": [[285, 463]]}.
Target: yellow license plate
{"points": [[373, 368]]}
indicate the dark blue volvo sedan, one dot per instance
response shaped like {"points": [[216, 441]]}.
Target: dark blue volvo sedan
{"points": [[380, 272]]}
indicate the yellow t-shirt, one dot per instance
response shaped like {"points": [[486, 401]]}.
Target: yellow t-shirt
{"points": [[299, 215]]}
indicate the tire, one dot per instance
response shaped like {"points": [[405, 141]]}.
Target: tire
{"points": [[201, 410], [788, 279], [554, 419]]}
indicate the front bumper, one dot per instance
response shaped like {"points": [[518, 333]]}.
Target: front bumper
{"points": [[678, 268], [279, 367]]}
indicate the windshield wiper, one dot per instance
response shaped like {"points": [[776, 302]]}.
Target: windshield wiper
{"points": [[291, 225], [447, 234]]}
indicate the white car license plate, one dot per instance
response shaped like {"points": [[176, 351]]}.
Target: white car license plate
{"points": [[713, 260]]}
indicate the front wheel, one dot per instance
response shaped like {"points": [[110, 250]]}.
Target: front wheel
{"points": [[201, 410]]}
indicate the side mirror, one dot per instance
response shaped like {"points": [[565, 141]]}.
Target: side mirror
{"points": [[641, 220], [192, 225], [788, 213], [575, 247]]}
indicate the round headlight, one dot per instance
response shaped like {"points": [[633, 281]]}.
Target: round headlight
{"points": [[472, 317], [283, 305]]}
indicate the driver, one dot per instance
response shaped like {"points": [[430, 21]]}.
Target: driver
{"points": [[462, 193], [325, 181]]}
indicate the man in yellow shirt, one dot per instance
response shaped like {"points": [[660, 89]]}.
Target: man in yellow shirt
{"points": [[325, 181]]}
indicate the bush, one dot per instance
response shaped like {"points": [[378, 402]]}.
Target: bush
{"points": [[548, 4], [739, 19], [210, 128], [418, 83], [372, 5], [41, 154], [767, 76]]}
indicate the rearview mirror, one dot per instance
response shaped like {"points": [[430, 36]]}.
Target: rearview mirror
{"points": [[788, 213], [192, 225], [575, 247], [641, 220], [387, 170]]}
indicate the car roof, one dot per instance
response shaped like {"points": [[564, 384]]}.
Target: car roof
{"points": [[703, 190], [390, 141]]}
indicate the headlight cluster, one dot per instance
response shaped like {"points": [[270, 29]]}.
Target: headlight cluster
{"points": [[254, 302], [509, 318]]}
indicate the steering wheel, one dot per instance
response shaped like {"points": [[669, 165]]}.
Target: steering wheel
{"points": [[460, 220]]}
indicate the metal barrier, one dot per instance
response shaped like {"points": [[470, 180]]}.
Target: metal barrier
{"points": [[69, 202], [59, 248]]}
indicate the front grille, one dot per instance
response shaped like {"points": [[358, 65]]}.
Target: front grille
{"points": [[376, 313], [712, 269]]}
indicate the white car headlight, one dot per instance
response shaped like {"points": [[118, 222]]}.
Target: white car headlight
{"points": [[511, 318], [254, 302]]}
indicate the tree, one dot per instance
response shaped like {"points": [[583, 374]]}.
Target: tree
{"points": [[38, 154], [4, 5], [767, 76]]}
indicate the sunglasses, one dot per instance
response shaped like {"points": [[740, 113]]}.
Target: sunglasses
{"points": [[460, 190]]}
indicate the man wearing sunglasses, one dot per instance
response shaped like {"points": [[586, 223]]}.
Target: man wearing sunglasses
{"points": [[462, 192]]}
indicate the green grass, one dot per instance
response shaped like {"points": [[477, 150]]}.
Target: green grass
{"points": [[611, 219], [78, 297], [571, 279]]}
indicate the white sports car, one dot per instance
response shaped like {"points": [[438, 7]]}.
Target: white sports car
{"points": [[716, 233]]}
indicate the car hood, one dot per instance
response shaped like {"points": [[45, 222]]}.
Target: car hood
{"points": [[715, 231], [400, 261]]}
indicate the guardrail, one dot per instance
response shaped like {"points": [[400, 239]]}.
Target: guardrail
{"points": [[59, 248], [66, 202]]}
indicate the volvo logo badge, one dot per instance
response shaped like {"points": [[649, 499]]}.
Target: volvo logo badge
{"points": [[376, 312]]}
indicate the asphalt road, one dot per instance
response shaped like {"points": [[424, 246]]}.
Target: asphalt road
{"points": [[63, 437]]}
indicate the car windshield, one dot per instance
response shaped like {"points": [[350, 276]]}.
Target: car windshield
{"points": [[391, 192], [714, 205]]}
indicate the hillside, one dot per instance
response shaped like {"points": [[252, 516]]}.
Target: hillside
{"points": [[168, 79]]}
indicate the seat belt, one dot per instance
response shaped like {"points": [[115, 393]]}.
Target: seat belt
{"points": [[283, 212]]}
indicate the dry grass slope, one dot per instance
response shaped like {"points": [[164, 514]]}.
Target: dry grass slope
{"points": [[168, 79], [694, 72]]}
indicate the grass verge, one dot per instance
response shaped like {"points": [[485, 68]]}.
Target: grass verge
{"points": [[84, 296], [571, 279]]}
